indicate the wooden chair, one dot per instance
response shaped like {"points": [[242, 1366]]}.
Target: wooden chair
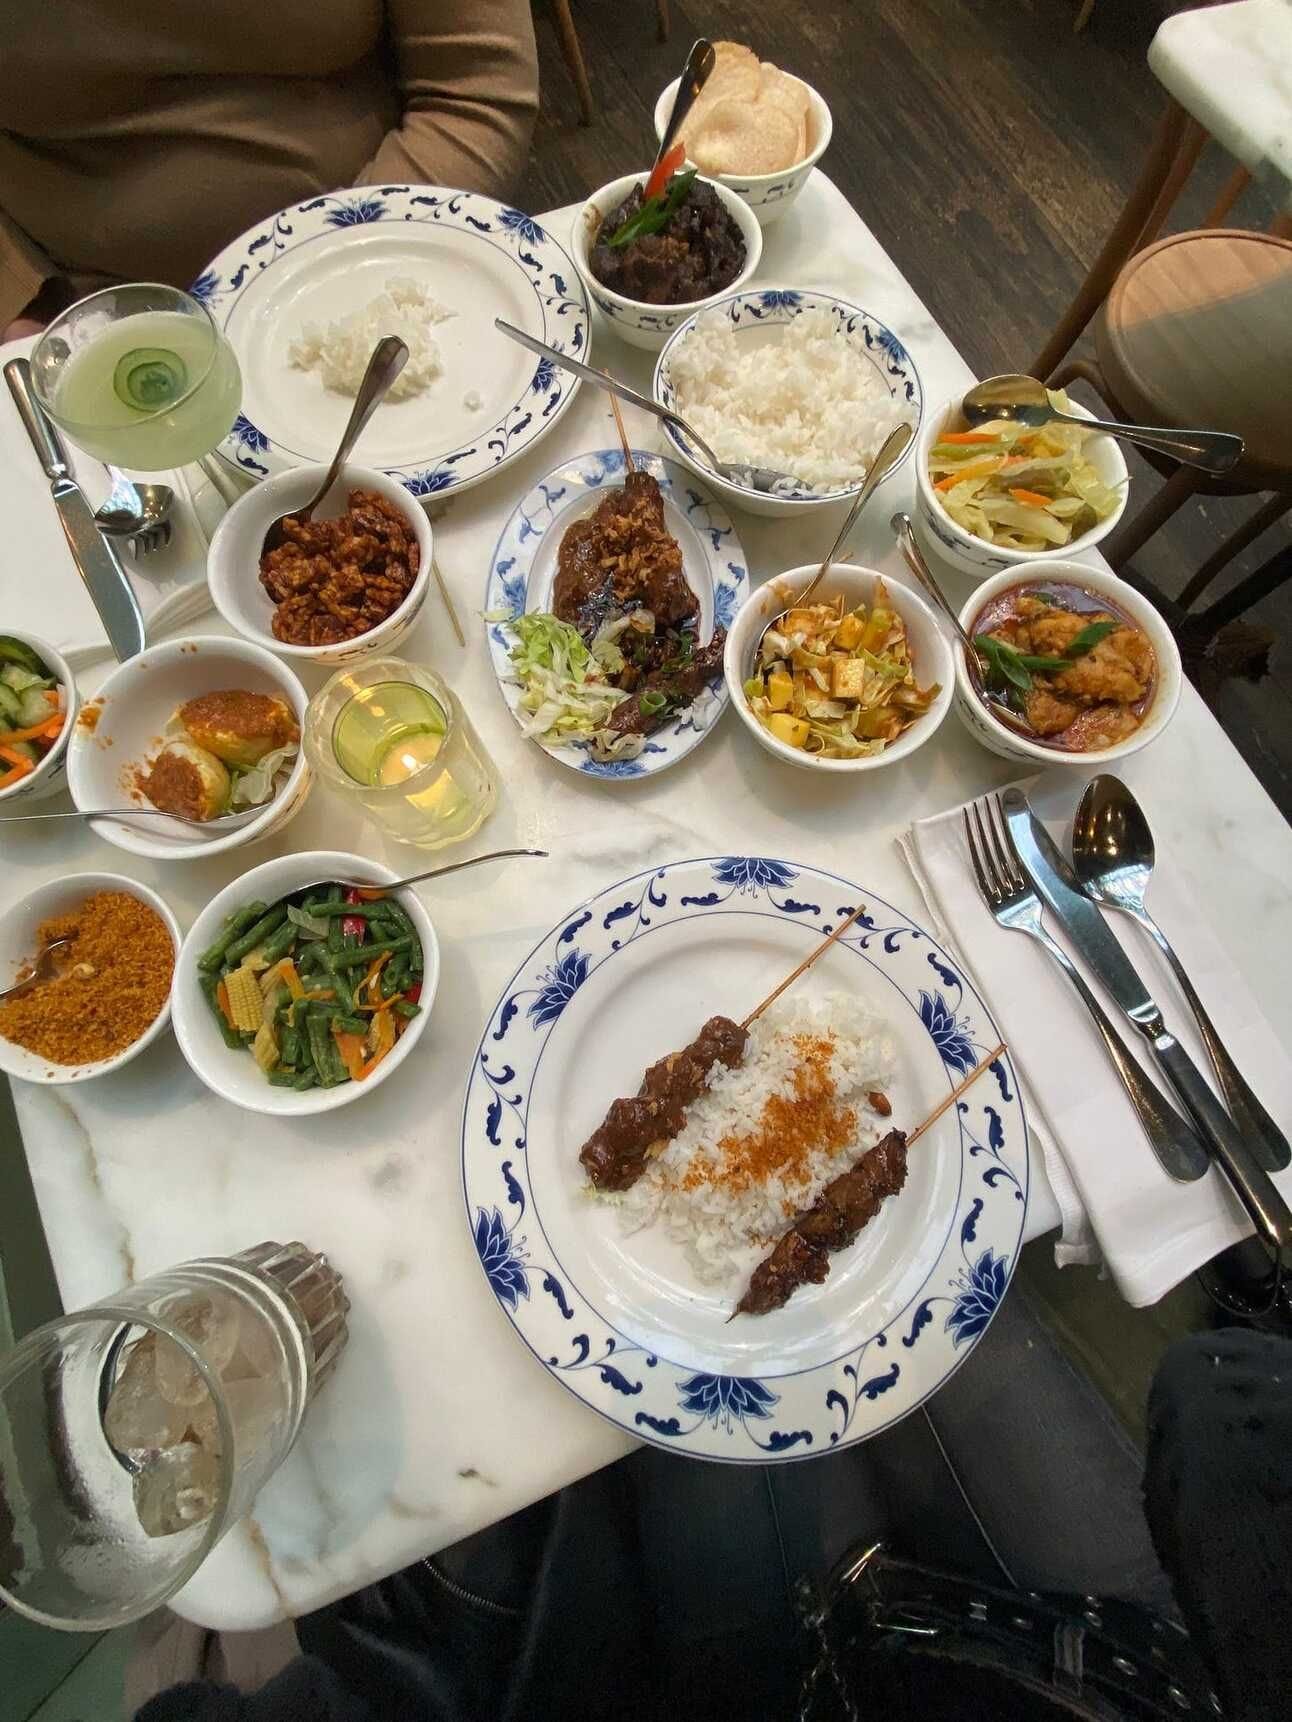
{"points": [[573, 51], [1197, 330]]}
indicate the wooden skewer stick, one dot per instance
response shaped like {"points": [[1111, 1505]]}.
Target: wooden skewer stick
{"points": [[956, 1092], [623, 434], [448, 602], [806, 964]]}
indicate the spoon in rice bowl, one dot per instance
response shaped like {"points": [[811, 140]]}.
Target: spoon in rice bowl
{"points": [[891, 451], [763, 478]]}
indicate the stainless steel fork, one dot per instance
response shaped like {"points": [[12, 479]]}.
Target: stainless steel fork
{"points": [[1015, 905]]}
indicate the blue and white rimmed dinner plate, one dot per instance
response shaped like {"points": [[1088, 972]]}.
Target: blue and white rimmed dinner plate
{"points": [[524, 567], [621, 1320], [752, 318], [329, 256]]}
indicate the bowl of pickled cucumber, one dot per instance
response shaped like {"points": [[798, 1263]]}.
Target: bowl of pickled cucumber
{"points": [[305, 984], [38, 708]]}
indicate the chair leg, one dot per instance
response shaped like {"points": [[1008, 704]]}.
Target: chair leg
{"points": [[1078, 370], [662, 21], [1266, 579], [574, 58], [1186, 159], [1230, 192], [1120, 243], [1131, 535], [1246, 534]]}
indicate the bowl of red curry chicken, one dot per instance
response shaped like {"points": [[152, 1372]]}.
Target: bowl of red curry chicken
{"points": [[1071, 666]]}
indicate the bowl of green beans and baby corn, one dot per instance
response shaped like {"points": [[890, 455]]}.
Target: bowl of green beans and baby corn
{"points": [[298, 991]]}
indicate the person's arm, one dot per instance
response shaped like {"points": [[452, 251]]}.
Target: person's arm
{"points": [[24, 270], [468, 80]]}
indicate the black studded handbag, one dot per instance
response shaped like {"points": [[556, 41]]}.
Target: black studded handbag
{"points": [[895, 1640]]}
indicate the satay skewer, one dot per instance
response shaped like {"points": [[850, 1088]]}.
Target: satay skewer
{"points": [[806, 964], [623, 434], [949, 1100]]}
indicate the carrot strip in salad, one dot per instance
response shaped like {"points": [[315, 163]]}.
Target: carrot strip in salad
{"points": [[350, 1046], [382, 1036], [1033, 498], [968, 436], [972, 469], [49, 726], [19, 761]]}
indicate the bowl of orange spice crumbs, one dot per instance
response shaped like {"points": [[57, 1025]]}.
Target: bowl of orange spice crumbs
{"points": [[101, 994]]}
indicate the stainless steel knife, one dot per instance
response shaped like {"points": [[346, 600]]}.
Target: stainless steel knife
{"points": [[96, 561], [1095, 942]]}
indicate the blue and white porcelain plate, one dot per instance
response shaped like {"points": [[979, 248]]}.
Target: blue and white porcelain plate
{"points": [[752, 318], [330, 256], [619, 1319], [524, 567]]}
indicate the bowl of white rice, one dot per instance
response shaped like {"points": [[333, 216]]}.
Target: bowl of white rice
{"points": [[791, 379]]}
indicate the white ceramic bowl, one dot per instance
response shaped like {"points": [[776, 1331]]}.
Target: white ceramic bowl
{"points": [[18, 944], [235, 1076], [137, 701], [633, 320], [939, 535], [50, 775], [769, 195], [929, 651], [752, 318], [997, 736], [233, 566]]}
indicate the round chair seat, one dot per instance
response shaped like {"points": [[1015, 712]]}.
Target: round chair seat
{"points": [[1197, 333]]}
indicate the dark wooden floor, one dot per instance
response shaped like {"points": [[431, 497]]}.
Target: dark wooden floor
{"points": [[989, 149]]}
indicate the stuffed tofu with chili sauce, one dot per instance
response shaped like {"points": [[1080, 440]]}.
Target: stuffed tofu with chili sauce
{"points": [[318, 986], [838, 683]]}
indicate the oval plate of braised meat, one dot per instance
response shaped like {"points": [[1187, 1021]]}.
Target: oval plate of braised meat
{"points": [[607, 606], [740, 1222]]}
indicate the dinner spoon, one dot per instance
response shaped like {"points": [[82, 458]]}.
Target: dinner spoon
{"points": [[914, 558], [1113, 853], [39, 970], [378, 890], [225, 822], [129, 508], [1025, 401], [389, 357], [891, 451], [695, 75], [763, 478]]}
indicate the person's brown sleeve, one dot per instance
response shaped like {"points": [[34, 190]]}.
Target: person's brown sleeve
{"points": [[24, 269], [468, 80]]}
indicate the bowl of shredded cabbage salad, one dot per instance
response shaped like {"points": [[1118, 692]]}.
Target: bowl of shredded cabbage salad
{"points": [[1002, 493]]}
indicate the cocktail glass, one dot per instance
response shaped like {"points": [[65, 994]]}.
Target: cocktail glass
{"points": [[134, 1433], [138, 376]]}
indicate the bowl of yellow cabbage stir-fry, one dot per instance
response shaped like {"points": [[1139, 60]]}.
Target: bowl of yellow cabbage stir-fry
{"points": [[997, 494], [858, 677]]}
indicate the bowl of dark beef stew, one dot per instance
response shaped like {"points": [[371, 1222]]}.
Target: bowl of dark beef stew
{"points": [[1071, 666], [650, 261]]}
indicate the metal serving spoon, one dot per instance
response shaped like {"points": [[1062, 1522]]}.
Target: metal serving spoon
{"points": [[695, 75], [39, 972], [748, 477], [1025, 401], [417, 878], [1113, 852], [389, 357], [129, 507], [890, 453], [225, 822], [914, 558]]}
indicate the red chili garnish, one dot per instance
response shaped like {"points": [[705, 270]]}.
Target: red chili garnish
{"points": [[354, 925], [413, 994], [663, 171]]}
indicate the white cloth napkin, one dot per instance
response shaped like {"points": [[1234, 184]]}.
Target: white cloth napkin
{"points": [[43, 593], [1116, 1201]]}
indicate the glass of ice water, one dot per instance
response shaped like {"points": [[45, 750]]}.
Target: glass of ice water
{"points": [[133, 1434]]}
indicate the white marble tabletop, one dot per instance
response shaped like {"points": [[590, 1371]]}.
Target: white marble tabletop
{"points": [[438, 1421], [1231, 68]]}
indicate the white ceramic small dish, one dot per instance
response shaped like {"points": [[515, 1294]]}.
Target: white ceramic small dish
{"points": [[769, 195], [757, 317], [51, 773], [999, 737], [940, 537], [134, 706], [233, 566], [633, 320], [235, 1076], [929, 651], [18, 946]]}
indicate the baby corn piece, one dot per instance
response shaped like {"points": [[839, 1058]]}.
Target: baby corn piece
{"points": [[245, 1003]]}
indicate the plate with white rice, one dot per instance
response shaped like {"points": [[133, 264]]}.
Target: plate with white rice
{"points": [[305, 296], [626, 1299], [798, 381]]}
